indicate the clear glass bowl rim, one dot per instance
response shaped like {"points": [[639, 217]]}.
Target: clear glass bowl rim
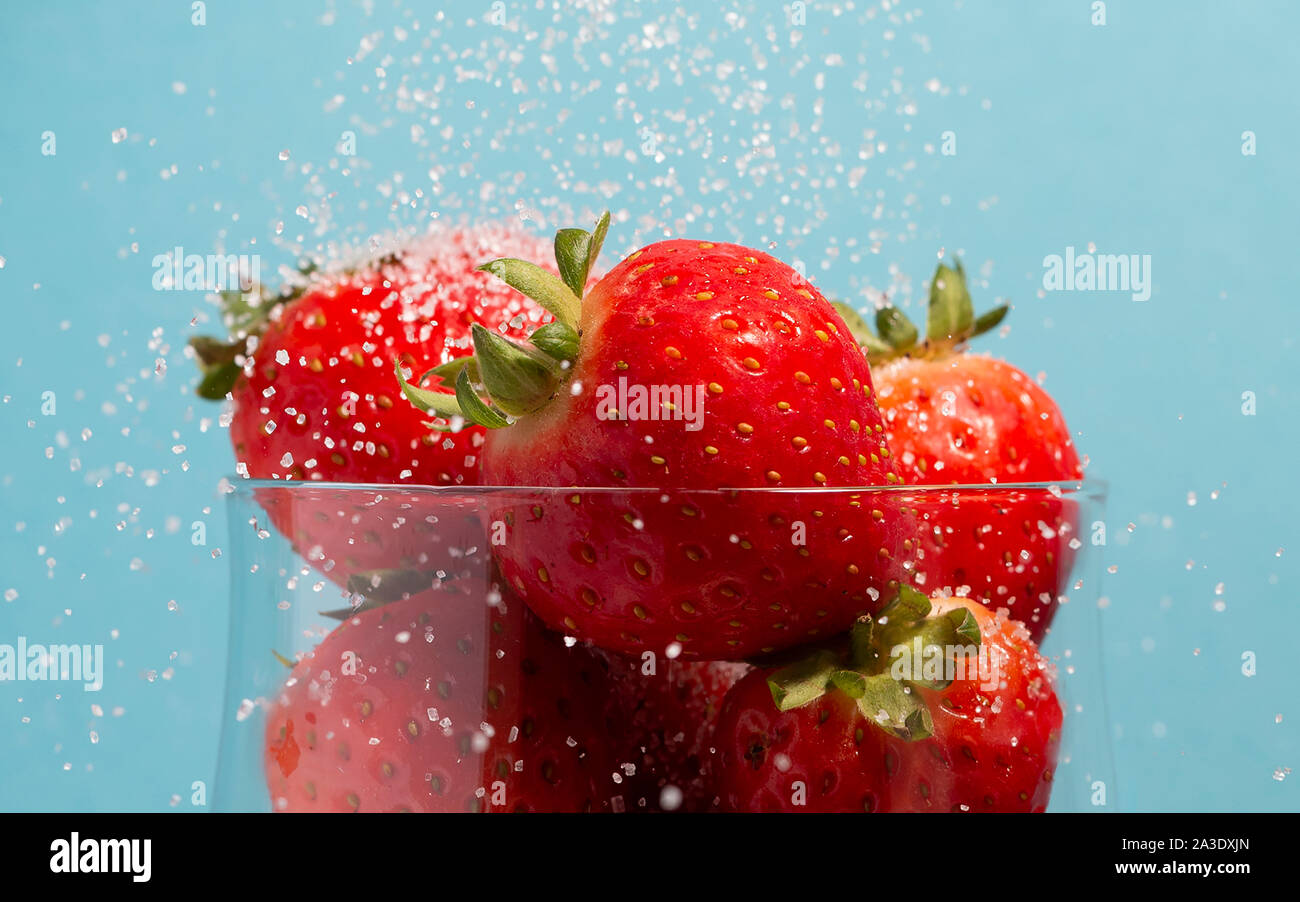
{"points": [[1088, 487]]}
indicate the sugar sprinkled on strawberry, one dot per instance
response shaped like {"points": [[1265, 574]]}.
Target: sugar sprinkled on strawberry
{"points": [[310, 374]]}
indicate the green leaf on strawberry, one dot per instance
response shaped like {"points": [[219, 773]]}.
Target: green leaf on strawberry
{"points": [[895, 328], [518, 379], [576, 251], [910, 606], [951, 314], [557, 340], [245, 315], [437, 403], [552, 293], [474, 407], [217, 381], [851, 682], [891, 705], [803, 681], [990, 319], [447, 372], [861, 331]]}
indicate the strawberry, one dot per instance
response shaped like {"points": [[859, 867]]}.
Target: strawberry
{"points": [[692, 371], [952, 417], [1010, 549], [441, 703], [888, 721], [310, 375], [666, 710]]}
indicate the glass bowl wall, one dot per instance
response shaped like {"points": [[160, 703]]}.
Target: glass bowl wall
{"points": [[501, 649]]}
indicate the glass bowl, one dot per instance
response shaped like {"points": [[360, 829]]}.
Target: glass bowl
{"points": [[542, 649]]}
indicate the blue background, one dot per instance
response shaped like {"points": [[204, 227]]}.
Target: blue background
{"points": [[712, 119]]}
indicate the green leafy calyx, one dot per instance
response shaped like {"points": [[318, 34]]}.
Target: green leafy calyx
{"points": [[244, 315], [505, 379], [861, 668], [950, 321]]}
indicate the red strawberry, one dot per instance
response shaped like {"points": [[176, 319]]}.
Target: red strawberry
{"points": [[311, 377], [441, 703], [865, 728], [1011, 549], [691, 367], [666, 711], [969, 419], [952, 417]]}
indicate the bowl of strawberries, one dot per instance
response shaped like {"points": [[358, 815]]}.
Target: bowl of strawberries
{"points": [[682, 537]]}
